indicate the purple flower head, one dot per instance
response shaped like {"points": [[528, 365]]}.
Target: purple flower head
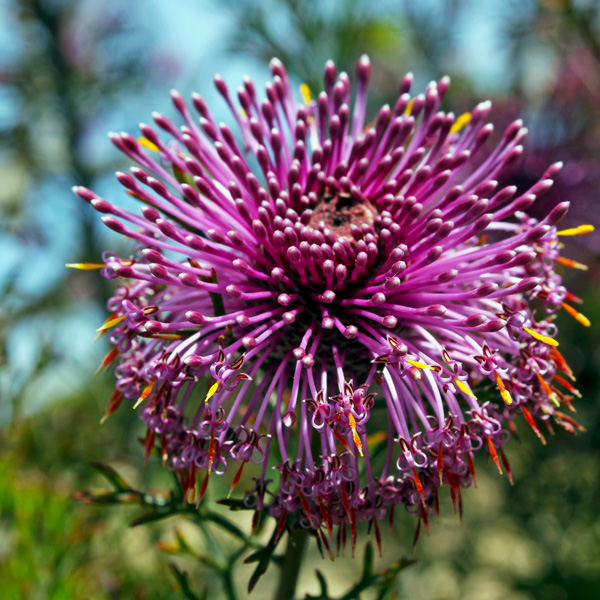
{"points": [[326, 296]]}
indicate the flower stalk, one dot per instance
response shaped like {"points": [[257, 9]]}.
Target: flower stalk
{"points": [[291, 564]]}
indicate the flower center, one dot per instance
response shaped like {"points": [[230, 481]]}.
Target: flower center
{"points": [[337, 212]]}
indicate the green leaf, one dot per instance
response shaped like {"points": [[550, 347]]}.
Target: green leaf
{"points": [[183, 544], [382, 581], [368, 561], [234, 504], [209, 561], [182, 580], [216, 297], [184, 177], [394, 570], [112, 476], [322, 584], [227, 525], [263, 557], [151, 517]]}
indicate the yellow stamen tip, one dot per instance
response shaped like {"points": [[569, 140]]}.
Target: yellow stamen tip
{"points": [[573, 264], [580, 230], [142, 141], [409, 108], [583, 320], [542, 338], [461, 122], [305, 92], [212, 391], [579, 317], [503, 391], [85, 266], [145, 393], [355, 436], [418, 364], [110, 323], [464, 388]]}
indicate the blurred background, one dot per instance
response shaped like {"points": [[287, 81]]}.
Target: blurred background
{"points": [[72, 70]]}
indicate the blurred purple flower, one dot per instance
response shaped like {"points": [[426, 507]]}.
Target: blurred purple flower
{"points": [[563, 125], [338, 292]]}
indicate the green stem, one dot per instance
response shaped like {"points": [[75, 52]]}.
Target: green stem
{"points": [[225, 571], [227, 579], [292, 563]]}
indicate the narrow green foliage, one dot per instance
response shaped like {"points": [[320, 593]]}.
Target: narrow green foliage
{"points": [[263, 557], [112, 476], [182, 581], [161, 505], [216, 298], [382, 581]]}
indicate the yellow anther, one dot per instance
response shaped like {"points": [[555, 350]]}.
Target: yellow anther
{"points": [[542, 338], [464, 388], [461, 122], [110, 322], [148, 144], [548, 390], [506, 396], [305, 93], [418, 364], [212, 391], [409, 108], [567, 262], [580, 230], [579, 317], [355, 435], [85, 266], [503, 391]]}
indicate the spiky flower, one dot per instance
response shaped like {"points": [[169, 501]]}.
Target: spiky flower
{"points": [[327, 297]]}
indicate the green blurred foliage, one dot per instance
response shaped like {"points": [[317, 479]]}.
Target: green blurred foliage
{"points": [[305, 34], [72, 62], [51, 545]]}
